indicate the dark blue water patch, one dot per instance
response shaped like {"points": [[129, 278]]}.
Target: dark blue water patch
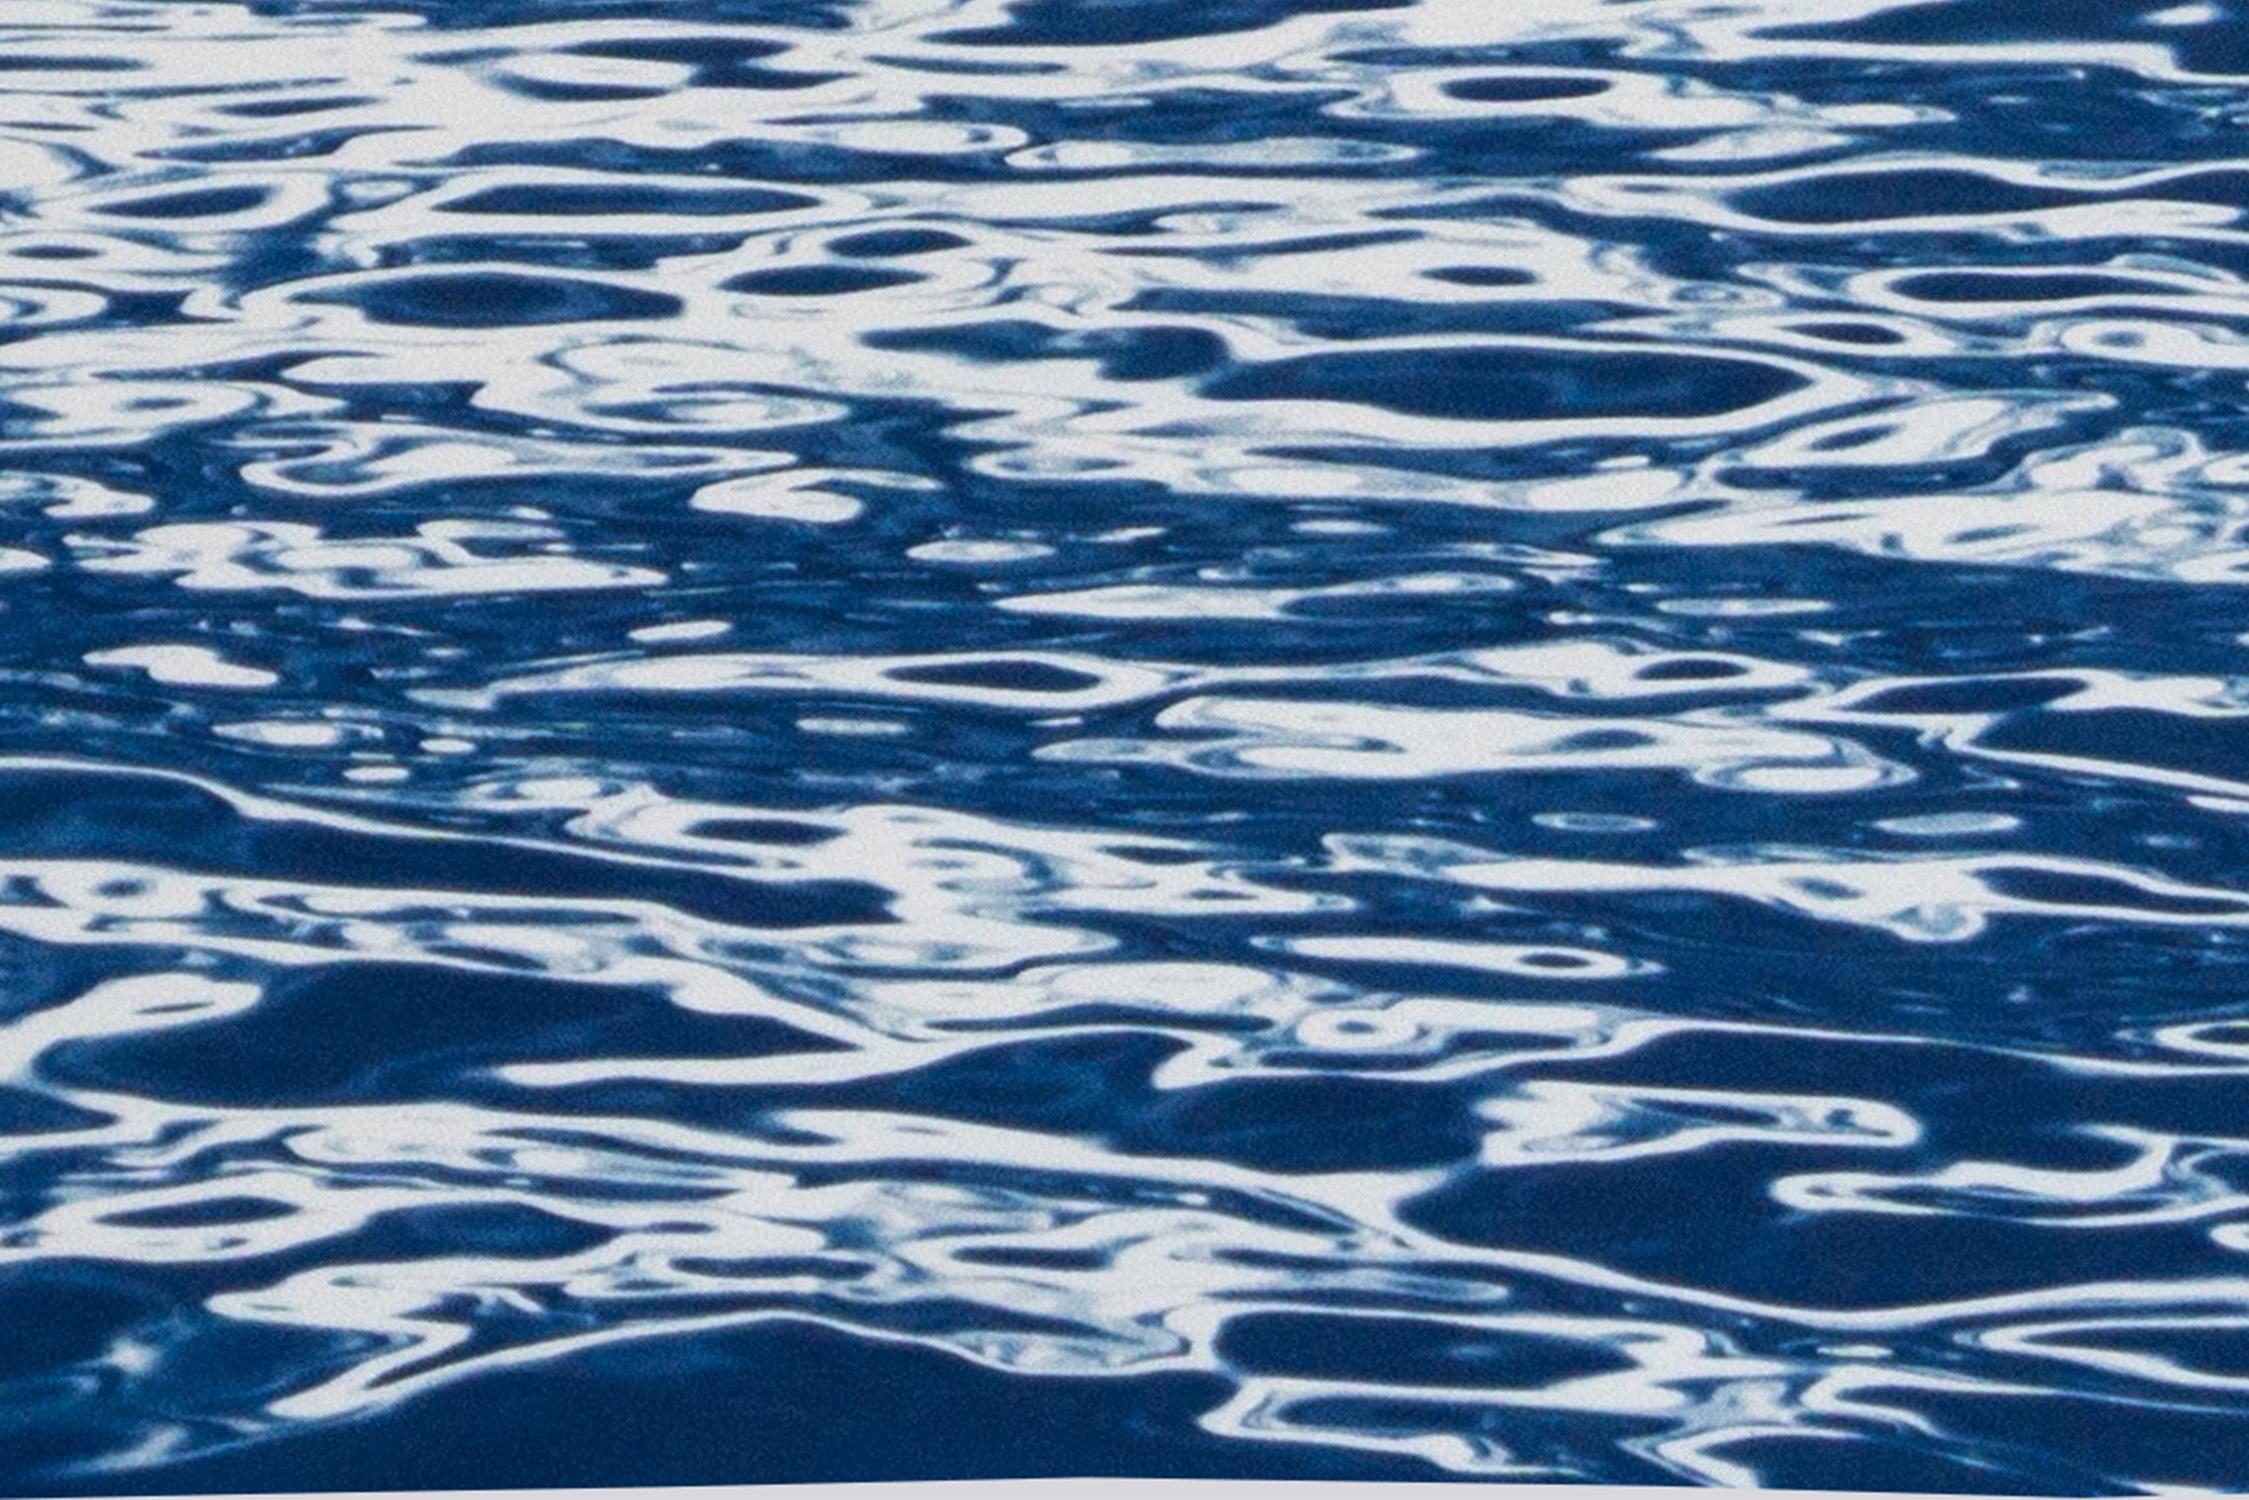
{"points": [[1539, 146], [1526, 88], [400, 1032], [201, 1213], [2068, 888], [1845, 197], [2128, 737], [2045, 1446], [825, 1268], [962, 65], [206, 203], [2220, 189], [25, 1113], [494, 299], [1023, 1258], [885, 244], [1109, 23], [1616, 1437], [551, 91], [1857, 335], [1516, 384], [50, 62], [1683, 669], [1811, 1462], [818, 281], [2058, 286], [589, 200], [1484, 276], [804, 1403], [998, 675], [722, 51], [67, 1422], [1970, 697], [276, 109], [1407, 1351], [59, 1315], [772, 832]]}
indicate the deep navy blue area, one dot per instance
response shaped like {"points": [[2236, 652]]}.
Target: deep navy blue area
{"points": [[787, 1402]]}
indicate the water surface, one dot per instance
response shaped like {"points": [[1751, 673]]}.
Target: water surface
{"points": [[810, 739]]}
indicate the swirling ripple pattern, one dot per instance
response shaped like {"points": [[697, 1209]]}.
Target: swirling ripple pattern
{"points": [[832, 739]]}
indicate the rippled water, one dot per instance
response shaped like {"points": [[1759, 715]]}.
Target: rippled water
{"points": [[773, 739]]}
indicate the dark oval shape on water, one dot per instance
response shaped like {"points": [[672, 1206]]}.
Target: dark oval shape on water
{"points": [[686, 51], [818, 281], [1866, 335], [1004, 675], [1516, 384], [546, 91], [881, 244], [204, 1213], [1689, 669], [493, 299], [1975, 695], [783, 833], [2061, 286], [1847, 197], [23, 62], [274, 109], [1481, 276], [1526, 88], [574, 200], [210, 203]]}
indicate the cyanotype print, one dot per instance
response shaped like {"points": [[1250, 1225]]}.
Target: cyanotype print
{"points": [[774, 740]]}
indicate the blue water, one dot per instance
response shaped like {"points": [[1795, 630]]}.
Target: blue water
{"points": [[852, 739]]}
